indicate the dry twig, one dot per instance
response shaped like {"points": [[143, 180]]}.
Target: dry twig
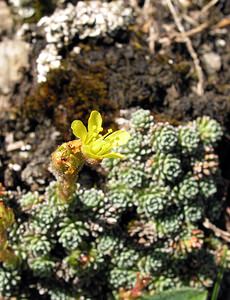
{"points": [[193, 31], [193, 54], [227, 219], [208, 6], [217, 231], [190, 20], [147, 22], [148, 11], [223, 23]]}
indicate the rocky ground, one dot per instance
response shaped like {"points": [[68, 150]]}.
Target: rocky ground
{"points": [[168, 56]]}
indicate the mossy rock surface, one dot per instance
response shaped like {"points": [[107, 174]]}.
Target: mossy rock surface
{"points": [[70, 93]]}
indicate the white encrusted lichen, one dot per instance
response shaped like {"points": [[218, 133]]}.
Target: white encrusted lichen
{"points": [[48, 59], [85, 20]]}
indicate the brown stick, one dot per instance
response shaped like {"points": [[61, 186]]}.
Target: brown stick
{"points": [[193, 54], [218, 232], [192, 32], [208, 6]]}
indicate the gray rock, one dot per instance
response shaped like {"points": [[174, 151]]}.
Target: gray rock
{"points": [[212, 62], [13, 57], [6, 21], [36, 171]]}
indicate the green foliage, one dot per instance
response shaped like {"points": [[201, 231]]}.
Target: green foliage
{"points": [[188, 138], [145, 220], [180, 294], [122, 277], [209, 130], [9, 280], [153, 201], [165, 138], [141, 119], [71, 233], [42, 266], [38, 245], [216, 288], [166, 167]]}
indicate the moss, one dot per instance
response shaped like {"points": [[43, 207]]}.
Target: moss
{"points": [[182, 67], [69, 93], [161, 117], [223, 88]]}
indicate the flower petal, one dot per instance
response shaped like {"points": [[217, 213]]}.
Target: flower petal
{"points": [[118, 138], [95, 122], [79, 130], [105, 148], [86, 150], [113, 155], [97, 146]]}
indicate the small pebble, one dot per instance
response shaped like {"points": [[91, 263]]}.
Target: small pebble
{"points": [[26, 147], [14, 146], [15, 167], [220, 43], [212, 62]]}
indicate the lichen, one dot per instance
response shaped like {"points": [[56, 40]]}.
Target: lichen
{"points": [[87, 20]]}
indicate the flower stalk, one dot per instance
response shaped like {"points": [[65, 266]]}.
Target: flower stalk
{"points": [[7, 255]]}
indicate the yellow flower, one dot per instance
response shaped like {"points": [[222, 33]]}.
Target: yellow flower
{"points": [[95, 145]]}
